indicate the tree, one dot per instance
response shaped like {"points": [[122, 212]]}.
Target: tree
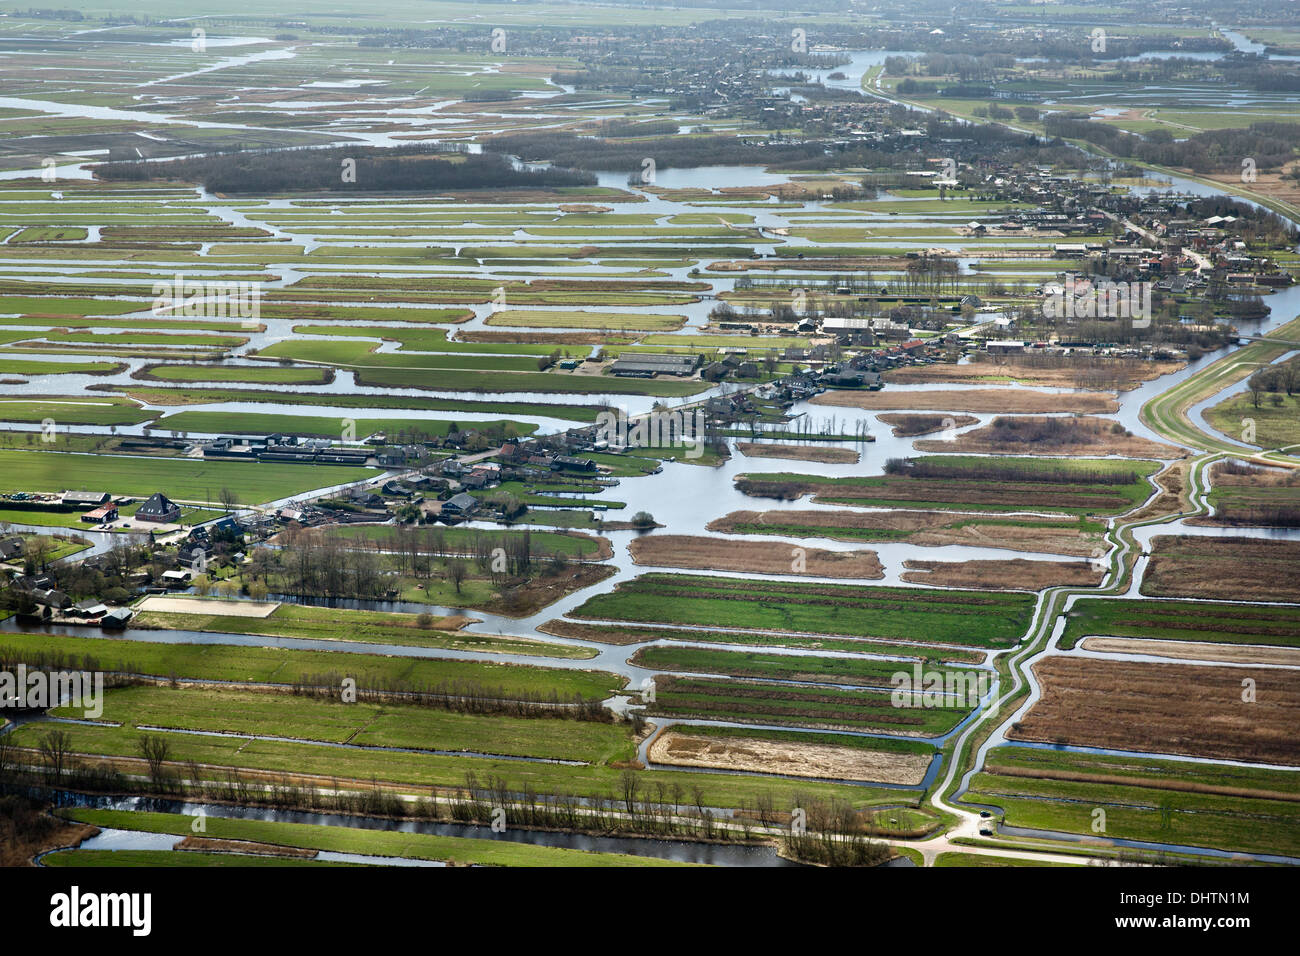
{"points": [[38, 550], [643, 521], [54, 748], [456, 571], [155, 750]]}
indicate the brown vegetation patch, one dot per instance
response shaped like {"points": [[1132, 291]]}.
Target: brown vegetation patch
{"points": [[909, 426], [214, 845], [1017, 574], [538, 592], [1254, 496], [27, 830], [1080, 436], [1165, 708], [925, 528], [1231, 569], [1196, 650], [755, 755], [1172, 495], [993, 484], [1096, 373], [827, 454], [1013, 401], [697, 552]]}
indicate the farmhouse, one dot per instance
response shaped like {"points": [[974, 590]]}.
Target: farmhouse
{"points": [[159, 508], [460, 506]]}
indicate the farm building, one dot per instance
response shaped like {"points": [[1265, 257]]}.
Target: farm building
{"points": [[159, 508], [650, 363], [84, 499], [100, 515]]}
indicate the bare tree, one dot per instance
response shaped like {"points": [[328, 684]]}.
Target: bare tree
{"points": [[155, 750], [54, 748]]}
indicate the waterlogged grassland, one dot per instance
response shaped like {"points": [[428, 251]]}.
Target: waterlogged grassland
{"points": [[277, 665], [1274, 625], [180, 479], [375, 627], [364, 724], [413, 846], [885, 613]]}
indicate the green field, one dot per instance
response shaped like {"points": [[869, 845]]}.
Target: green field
{"points": [[253, 423], [363, 724], [465, 540], [277, 665], [100, 859], [1276, 625], [756, 664], [336, 624], [943, 616], [417, 846], [181, 479], [276, 374], [798, 705], [84, 410]]}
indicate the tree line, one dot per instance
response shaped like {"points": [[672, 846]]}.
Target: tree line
{"points": [[350, 169]]}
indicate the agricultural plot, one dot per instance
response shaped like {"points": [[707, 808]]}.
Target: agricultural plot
{"points": [[884, 613], [1241, 569], [1197, 621], [1230, 712], [1075, 486]]}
